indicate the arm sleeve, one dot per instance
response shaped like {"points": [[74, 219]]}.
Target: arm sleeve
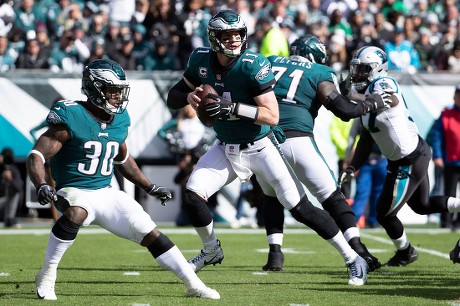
{"points": [[177, 95], [352, 137], [343, 107], [363, 149]]}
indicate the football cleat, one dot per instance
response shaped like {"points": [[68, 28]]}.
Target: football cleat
{"points": [[372, 261], [402, 258], [455, 253], [44, 285], [359, 247], [208, 256], [204, 293], [275, 261], [358, 271]]}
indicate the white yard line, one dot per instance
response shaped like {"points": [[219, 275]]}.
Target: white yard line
{"points": [[420, 249], [248, 231]]}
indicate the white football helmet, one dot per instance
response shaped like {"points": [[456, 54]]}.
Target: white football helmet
{"points": [[367, 64]]}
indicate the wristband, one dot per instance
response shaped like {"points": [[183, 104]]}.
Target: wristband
{"points": [[246, 111]]}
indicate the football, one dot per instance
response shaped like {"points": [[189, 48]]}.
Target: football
{"points": [[202, 114]]}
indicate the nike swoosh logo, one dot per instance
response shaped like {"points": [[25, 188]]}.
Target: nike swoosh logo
{"points": [[261, 64], [57, 108], [259, 150], [360, 274], [206, 262]]}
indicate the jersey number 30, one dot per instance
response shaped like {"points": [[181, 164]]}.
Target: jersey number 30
{"points": [[95, 147]]}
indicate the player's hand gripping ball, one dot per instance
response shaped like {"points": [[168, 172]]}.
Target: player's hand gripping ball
{"points": [[203, 114]]}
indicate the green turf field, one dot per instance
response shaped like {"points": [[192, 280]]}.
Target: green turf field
{"points": [[98, 268]]}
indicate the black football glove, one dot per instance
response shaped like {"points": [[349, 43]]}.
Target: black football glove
{"points": [[46, 194], [159, 192], [345, 85], [378, 101], [221, 107], [346, 175]]}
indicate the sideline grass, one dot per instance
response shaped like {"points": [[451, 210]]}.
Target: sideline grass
{"points": [[92, 271]]}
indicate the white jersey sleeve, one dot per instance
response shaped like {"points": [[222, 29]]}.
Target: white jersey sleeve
{"points": [[393, 129]]}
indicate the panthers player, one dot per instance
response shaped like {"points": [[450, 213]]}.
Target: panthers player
{"points": [[303, 84], [85, 141], [408, 154], [246, 108]]}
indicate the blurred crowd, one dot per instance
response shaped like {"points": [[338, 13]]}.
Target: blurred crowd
{"points": [[65, 35]]}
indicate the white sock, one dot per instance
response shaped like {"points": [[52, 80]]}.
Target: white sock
{"points": [[54, 253], [345, 250], [453, 204], [275, 238], [175, 261], [351, 232], [402, 242], [207, 235]]}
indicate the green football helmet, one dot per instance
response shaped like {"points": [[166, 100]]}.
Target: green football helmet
{"points": [[103, 79], [223, 21], [308, 47]]}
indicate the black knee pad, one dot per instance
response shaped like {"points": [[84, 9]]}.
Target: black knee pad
{"points": [[65, 229], [337, 206], [273, 215], [197, 209], [315, 218], [161, 245]]}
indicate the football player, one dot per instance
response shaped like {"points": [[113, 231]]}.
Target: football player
{"points": [[246, 107], [304, 83], [408, 154], [85, 141]]}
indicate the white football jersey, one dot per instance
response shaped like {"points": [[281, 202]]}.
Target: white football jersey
{"points": [[393, 129]]}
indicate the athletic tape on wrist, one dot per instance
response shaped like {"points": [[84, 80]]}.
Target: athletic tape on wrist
{"points": [[247, 111], [39, 154]]}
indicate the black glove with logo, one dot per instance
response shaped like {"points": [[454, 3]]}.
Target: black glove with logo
{"points": [[46, 194], [346, 175], [378, 101], [221, 107], [159, 192]]}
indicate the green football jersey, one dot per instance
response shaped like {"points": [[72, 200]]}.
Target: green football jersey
{"points": [[295, 90], [86, 160], [247, 77]]}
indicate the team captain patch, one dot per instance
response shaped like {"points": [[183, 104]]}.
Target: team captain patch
{"points": [[53, 118], [203, 71], [263, 73]]}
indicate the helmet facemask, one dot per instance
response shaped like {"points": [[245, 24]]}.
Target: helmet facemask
{"points": [[119, 93]]}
